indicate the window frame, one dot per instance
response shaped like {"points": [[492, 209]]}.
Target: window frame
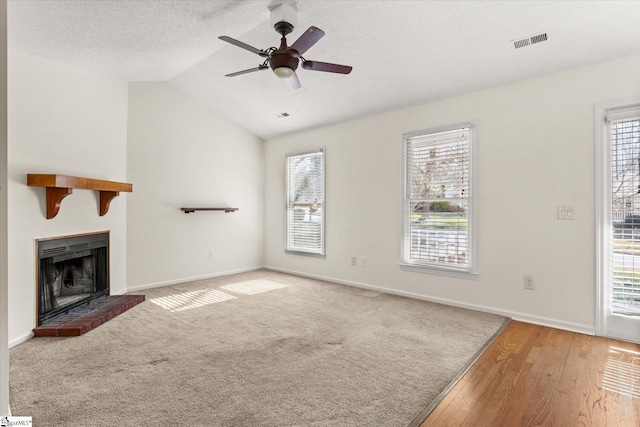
{"points": [[603, 113], [470, 272], [297, 250]]}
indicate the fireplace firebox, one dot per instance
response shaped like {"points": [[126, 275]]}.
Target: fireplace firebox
{"points": [[72, 271]]}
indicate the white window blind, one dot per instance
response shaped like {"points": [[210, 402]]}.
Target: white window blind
{"points": [[624, 134], [305, 201], [438, 204]]}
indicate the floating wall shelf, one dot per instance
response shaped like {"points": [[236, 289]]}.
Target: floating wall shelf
{"points": [[226, 210], [60, 186]]}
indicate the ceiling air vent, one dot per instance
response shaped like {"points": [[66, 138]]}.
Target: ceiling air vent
{"points": [[539, 38], [527, 41], [521, 43]]}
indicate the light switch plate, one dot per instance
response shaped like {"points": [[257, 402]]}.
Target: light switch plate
{"points": [[567, 212]]}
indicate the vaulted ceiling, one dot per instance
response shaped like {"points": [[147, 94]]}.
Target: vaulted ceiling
{"points": [[403, 53]]}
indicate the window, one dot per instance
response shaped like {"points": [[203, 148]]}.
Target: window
{"points": [[305, 201], [438, 200], [617, 149], [623, 126]]}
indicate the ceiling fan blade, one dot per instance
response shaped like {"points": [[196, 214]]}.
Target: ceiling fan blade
{"points": [[325, 66], [244, 46], [307, 39], [250, 70], [294, 82]]}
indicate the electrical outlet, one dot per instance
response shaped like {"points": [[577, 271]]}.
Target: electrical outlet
{"points": [[529, 283], [363, 261], [354, 260], [211, 256], [566, 212]]}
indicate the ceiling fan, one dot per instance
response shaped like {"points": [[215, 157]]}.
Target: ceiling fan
{"points": [[285, 60]]}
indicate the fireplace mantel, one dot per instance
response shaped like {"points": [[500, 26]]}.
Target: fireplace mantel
{"points": [[60, 186]]}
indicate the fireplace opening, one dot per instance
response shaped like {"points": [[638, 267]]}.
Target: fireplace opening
{"points": [[72, 270]]}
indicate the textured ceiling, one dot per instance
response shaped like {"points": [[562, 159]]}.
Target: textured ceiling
{"points": [[403, 52]]}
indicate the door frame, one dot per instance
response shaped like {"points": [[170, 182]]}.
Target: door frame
{"points": [[603, 209]]}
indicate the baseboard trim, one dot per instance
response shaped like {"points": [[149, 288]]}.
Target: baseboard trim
{"points": [[190, 279], [522, 317], [20, 339]]}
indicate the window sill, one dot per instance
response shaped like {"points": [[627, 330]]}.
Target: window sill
{"points": [[439, 271], [309, 254]]}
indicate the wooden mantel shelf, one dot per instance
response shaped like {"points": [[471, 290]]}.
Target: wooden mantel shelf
{"points": [[226, 210], [60, 186]]}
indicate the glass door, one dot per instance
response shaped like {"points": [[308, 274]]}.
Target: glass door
{"points": [[622, 224]]}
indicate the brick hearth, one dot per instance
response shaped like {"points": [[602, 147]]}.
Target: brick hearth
{"points": [[82, 319]]}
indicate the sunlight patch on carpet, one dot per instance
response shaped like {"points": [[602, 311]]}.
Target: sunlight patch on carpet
{"points": [[194, 299], [253, 287]]}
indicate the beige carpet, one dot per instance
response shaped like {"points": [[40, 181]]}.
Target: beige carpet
{"points": [[253, 349]]}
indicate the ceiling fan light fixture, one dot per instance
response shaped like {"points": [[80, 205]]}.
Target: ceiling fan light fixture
{"points": [[283, 72], [285, 60]]}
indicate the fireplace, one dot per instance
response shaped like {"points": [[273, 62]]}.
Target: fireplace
{"points": [[72, 271]]}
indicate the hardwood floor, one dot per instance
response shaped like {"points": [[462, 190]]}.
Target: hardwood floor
{"points": [[537, 376]]}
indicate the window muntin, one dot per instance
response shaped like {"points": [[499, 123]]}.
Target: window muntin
{"points": [[305, 201], [438, 202]]}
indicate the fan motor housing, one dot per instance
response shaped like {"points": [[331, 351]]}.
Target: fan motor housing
{"points": [[281, 58]]}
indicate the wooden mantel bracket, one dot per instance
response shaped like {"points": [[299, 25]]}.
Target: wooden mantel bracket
{"points": [[105, 199], [54, 198], [60, 186]]}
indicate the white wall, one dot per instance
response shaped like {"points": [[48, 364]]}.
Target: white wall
{"points": [[182, 154], [535, 151], [72, 122]]}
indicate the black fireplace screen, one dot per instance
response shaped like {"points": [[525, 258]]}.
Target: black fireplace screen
{"points": [[72, 271]]}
